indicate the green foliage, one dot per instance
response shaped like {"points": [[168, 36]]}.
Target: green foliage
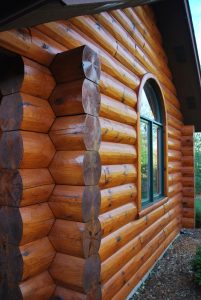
{"points": [[197, 266], [198, 212], [197, 140]]}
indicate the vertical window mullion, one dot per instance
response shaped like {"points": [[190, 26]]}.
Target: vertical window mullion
{"points": [[151, 161]]}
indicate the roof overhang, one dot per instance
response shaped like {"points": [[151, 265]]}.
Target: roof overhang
{"points": [[175, 23], [26, 13]]}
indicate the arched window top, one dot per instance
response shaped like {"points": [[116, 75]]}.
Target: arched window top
{"points": [[150, 102], [152, 121]]}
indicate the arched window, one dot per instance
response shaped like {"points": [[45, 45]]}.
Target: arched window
{"points": [[151, 143]]}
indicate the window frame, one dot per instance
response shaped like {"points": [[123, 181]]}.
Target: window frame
{"points": [[163, 147]]}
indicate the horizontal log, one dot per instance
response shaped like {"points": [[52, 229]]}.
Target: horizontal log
{"points": [[188, 161], [174, 178], [37, 257], [174, 144], [22, 149], [174, 155], [29, 260], [188, 181], [84, 165], [75, 64], [114, 241], [115, 89], [174, 133], [114, 110], [37, 221], [112, 286], [174, 122], [76, 273], [112, 131], [174, 189], [114, 153], [70, 36], [188, 130], [74, 98], [76, 203], [32, 44], [139, 275], [114, 263], [23, 75], [188, 171], [117, 196], [25, 186], [189, 191], [65, 293], [187, 141], [25, 224], [189, 213], [188, 222], [187, 151], [75, 238], [114, 175], [81, 132], [42, 285], [116, 218], [25, 112], [188, 202], [174, 166]]}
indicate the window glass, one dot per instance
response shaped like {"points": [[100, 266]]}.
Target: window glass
{"points": [[144, 161], [151, 131]]}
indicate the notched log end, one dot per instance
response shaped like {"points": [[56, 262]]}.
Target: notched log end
{"points": [[92, 168]]}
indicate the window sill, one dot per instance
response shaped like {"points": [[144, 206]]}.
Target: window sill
{"points": [[152, 207]]}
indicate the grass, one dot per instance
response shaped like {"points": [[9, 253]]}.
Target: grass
{"points": [[198, 211]]}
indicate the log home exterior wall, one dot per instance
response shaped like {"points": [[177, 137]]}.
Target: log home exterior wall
{"points": [[62, 249]]}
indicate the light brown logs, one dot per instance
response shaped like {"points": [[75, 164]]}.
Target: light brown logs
{"points": [[114, 241], [112, 131], [65, 293], [81, 62], [76, 203], [134, 280], [117, 90], [114, 263], [76, 98], [25, 224], [81, 132], [25, 112], [114, 110], [37, 257], [76, 167], [25, 262], [22, 149], [31, 43], [77, 273], [113, 175], [25, 186], [71, 37], [114, 197], [114, 153], [112, 286], [75, 238], [112, 220], [39, 287], [23, 75]]}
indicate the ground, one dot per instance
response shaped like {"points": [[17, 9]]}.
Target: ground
{"points": [[172, 278]]}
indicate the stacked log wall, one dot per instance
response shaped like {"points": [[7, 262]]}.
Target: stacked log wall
{"points": [[188, 177], [129, 46], [26, 151]]}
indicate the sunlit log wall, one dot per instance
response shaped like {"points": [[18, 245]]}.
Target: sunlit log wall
{"points": [[59, 241]]}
